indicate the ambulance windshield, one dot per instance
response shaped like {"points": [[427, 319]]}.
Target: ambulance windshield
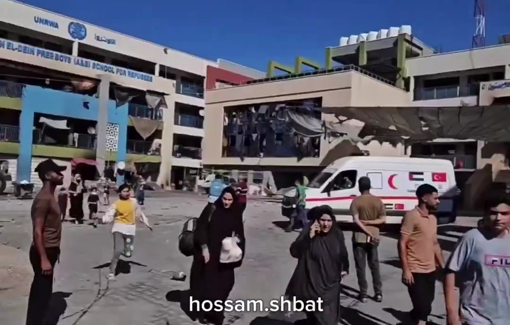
{"points": [[321, 178]]}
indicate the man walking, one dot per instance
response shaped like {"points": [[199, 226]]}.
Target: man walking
{"points": [[45, 249], [481, 259], [242, 192], [368, 214], [419, 252]]}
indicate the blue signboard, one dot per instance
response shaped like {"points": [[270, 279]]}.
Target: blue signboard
{"points": [[46, 22], [110, 41], [78, 31], [72, 60]]}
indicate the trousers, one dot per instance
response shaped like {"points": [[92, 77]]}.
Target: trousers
{"points": [[42, 286], [364, 252], [122, 245], [422, 293]]}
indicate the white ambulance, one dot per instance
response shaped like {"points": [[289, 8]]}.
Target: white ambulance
{"points": [[393, 179]]}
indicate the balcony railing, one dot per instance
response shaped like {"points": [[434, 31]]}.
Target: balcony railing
{"points": [[143, 111], [189, 89], [11, 89], [458, 161], [187, 152], [9, 133], [446, 92], [189, 120], [142, 148], [74, 140]]}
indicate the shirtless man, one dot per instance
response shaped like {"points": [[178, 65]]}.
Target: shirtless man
{"points": [[45, 249]]}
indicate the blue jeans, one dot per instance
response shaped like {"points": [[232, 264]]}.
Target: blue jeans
{"points": [[301, 216]]}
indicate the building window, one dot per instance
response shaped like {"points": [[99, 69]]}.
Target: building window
{"points": [[264, 130]]}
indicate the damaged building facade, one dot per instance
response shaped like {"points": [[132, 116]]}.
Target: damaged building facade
{"points": [[51, 68], [382, 70]]}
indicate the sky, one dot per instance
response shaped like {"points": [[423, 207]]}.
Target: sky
{"points": [[252, 33]]}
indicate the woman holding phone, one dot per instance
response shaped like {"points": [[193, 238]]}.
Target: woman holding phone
{"points": [[323, 261]]}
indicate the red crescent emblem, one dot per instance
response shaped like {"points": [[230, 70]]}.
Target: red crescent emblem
{"points": [[391, 182]]}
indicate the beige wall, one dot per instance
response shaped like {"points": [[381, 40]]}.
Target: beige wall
{"points": [[487, 57], [342, 89]]}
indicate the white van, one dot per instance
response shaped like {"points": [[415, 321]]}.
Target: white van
{"points": [[393, 179]]}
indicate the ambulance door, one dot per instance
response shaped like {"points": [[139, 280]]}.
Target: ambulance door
{"points": [[340, 191]]}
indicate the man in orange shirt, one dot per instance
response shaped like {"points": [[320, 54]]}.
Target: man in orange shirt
{"points": [[419, 251]]}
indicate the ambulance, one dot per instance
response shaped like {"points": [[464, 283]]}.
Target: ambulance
{"points": [[394, 180]]}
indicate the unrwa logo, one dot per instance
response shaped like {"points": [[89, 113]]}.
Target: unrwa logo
{"points": [[46, 22], [77, 31]]}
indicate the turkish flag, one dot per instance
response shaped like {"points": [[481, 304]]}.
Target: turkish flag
{"points": [[439, 177]]}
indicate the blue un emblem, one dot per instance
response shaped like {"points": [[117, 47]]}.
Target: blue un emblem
{"points": [[77, 31]]}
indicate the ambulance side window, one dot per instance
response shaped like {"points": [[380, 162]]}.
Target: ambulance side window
{"points": [[343, 181]]}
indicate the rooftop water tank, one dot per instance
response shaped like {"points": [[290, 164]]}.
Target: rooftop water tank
{"points": [[344, 41], [393, 32], [363, 37], [383, 33], [353, 39], [372, 36], [405, 29]]}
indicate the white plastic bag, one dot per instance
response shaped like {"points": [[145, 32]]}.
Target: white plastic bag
{"points": [[230, 251]]}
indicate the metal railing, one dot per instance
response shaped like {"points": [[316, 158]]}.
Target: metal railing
{"points": [[189, 120], [446, 92], [190, 89], [9, 133], [142, 148], [187, 152], [345, 68], [458, 161], [75, 140], [11, 89], [143, 111]]}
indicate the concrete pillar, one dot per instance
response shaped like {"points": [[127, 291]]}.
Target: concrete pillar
{"points": [[122, 141], [411, 88], [75, 48], [102, 122], [26, 135], [507, 71], [362, 53], [235, 174], [329, 58], [480, 163], [250, 177], [165, 168], [401, 60], [156, 70]]}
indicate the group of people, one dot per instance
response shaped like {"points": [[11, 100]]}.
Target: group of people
{"points": [[47, 220], [480, 260], [75, 195]]}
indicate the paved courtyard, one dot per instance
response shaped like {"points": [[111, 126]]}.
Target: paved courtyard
{"points": [[145, 293]]}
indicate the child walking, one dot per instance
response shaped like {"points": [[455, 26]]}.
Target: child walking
{"points": [[93, 201], [123, 213], [62, 202]]}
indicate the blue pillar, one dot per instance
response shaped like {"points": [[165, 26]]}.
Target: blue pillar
{"points": [[122, 142], [26, 135]]}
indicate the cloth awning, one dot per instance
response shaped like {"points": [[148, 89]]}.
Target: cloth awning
{"points": [[484, 123], [56, 124]]}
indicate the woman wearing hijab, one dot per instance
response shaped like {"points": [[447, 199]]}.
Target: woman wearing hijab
{"points": [[76, 190], [322, 263], [212, 278]]}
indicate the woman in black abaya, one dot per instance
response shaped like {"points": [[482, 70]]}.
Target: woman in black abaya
{"points": [[209, 279], [76, 190], [322, 263]]}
